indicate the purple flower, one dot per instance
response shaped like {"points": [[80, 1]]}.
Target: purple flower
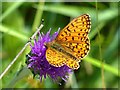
{"points": [[37, 63]]}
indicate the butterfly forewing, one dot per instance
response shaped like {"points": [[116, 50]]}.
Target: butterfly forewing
{"points": [[74, 37], [78, 27]]}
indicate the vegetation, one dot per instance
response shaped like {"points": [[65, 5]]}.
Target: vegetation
{"points": [[19, 21]]}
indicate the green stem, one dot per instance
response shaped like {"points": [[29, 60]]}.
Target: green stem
{"points": [[107, 67], [38, 15]]}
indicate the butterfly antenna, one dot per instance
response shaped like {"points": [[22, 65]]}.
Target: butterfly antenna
{"points": [[58, 29], [42, 21]]}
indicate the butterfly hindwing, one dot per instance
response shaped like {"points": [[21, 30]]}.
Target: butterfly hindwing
{"points": [[78, 49], [54, 57], [58, 59]]}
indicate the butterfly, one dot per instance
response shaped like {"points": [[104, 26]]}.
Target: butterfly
{"points": [[71, 44]]}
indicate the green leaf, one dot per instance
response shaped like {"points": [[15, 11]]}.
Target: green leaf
{"points": [[11, 9], [13, 33]]}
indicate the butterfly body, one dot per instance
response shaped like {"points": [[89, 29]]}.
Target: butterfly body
{"points": [[71, 44]]}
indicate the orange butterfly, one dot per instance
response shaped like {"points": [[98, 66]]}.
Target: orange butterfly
{"points": [[71, 44]]}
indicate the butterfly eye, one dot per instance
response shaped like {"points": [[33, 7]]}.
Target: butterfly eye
{"points": [[45, 45]]}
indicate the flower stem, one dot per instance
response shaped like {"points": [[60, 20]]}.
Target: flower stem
{"points": [[13, 61]]}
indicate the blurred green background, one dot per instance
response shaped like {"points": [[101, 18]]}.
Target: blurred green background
{"points": [[19, 21]]}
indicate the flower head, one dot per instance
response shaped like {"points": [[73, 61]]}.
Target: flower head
{"points": [[37, 63]]}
